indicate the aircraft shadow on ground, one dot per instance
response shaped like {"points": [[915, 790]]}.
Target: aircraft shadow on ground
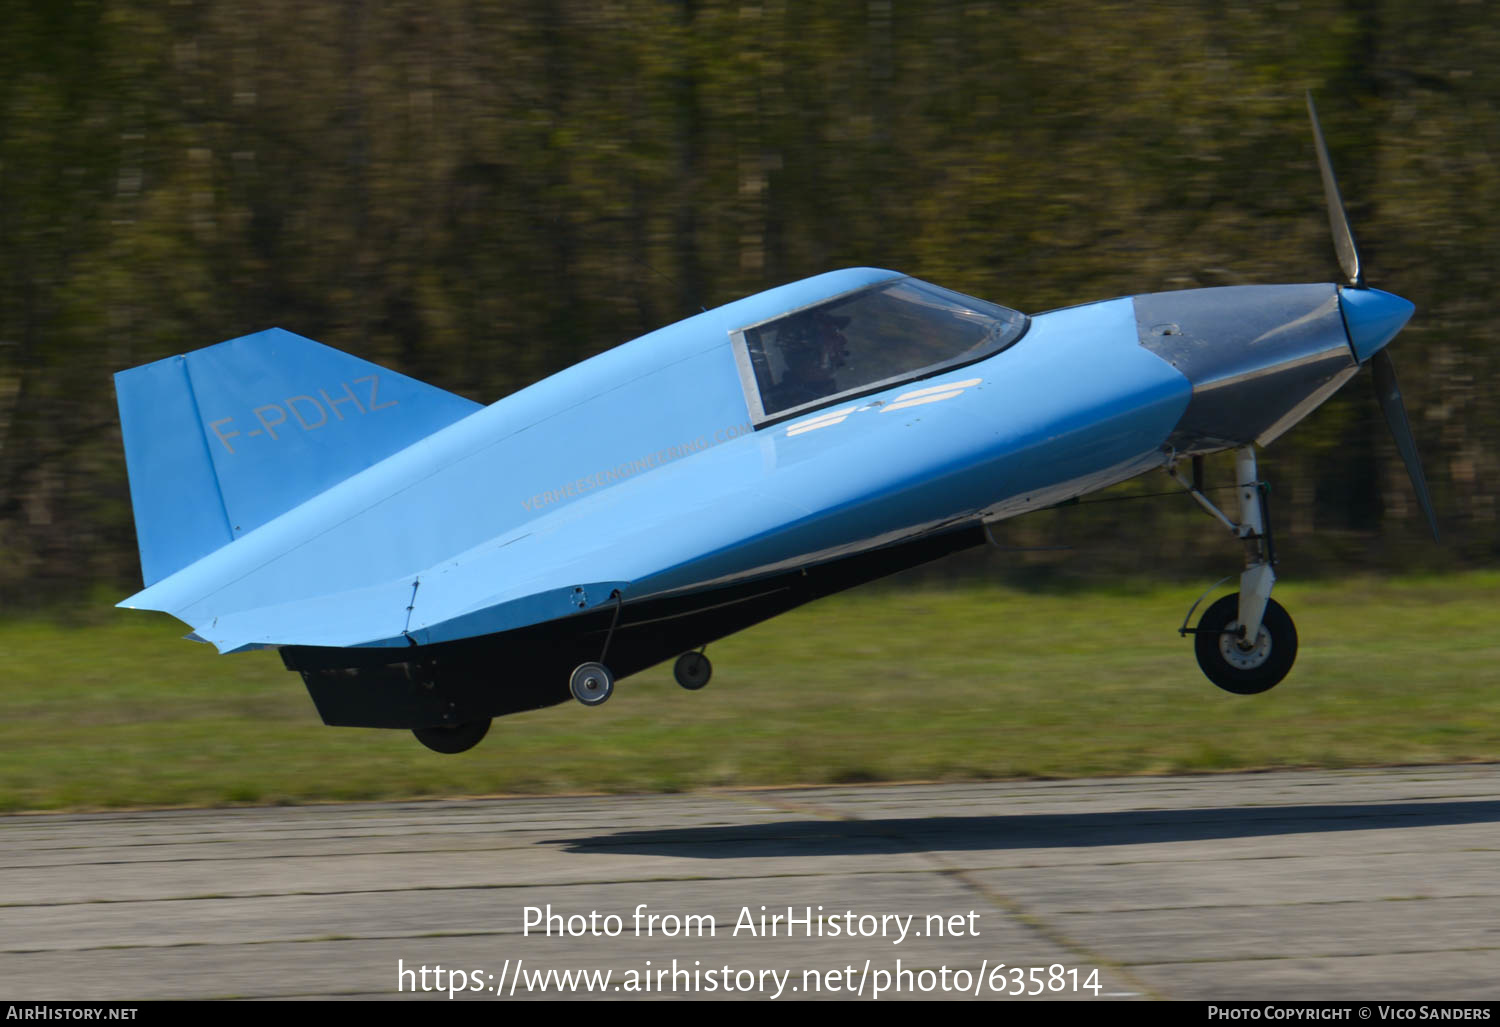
{"points": [[1028, 831]]}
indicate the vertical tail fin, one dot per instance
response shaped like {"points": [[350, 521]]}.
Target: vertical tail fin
{"points": [[221, 440]]}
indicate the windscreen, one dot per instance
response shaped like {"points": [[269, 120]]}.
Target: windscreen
{"points": [[871, 339]]}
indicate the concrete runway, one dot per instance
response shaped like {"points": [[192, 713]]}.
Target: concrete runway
{"points": [[1375, 884]]}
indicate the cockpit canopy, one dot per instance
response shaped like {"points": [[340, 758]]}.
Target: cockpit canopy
{"points": [[865, 341]]}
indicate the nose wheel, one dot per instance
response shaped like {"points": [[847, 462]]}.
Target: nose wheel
{"points": [[1240, 665], [1246, 642]]}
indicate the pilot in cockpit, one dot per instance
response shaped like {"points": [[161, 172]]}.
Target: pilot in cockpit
{"points": [[813, 349]]}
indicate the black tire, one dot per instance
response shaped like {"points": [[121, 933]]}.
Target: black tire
{"points": [[458, 738], [591, 683], [692, 671], [1240, 671]]}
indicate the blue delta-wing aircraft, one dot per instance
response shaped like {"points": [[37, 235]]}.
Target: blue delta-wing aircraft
{"points": [[429, 563]]}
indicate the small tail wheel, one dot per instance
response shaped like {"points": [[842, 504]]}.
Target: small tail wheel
{"points": [[1241, 666], [692, 671], [592, 683], [457, 738]]}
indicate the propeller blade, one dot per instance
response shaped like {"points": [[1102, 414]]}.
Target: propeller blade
{"points": [[1389, 394], [1338, 220]]}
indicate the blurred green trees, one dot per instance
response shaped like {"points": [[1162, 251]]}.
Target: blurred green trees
{"points": [[481, 192]]}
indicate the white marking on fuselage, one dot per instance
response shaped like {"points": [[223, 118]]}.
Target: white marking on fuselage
{"points": [[932, 394], [821, 421], [937, 388], [916, 397], [904, 403]]}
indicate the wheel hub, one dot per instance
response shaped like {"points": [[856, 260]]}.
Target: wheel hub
{"points": [[1240, 655]]}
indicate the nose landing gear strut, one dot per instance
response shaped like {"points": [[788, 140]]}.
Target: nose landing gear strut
{"points": [[1245, 643]]}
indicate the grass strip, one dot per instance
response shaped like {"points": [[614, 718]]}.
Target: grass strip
{"points": [[108, 709]]}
